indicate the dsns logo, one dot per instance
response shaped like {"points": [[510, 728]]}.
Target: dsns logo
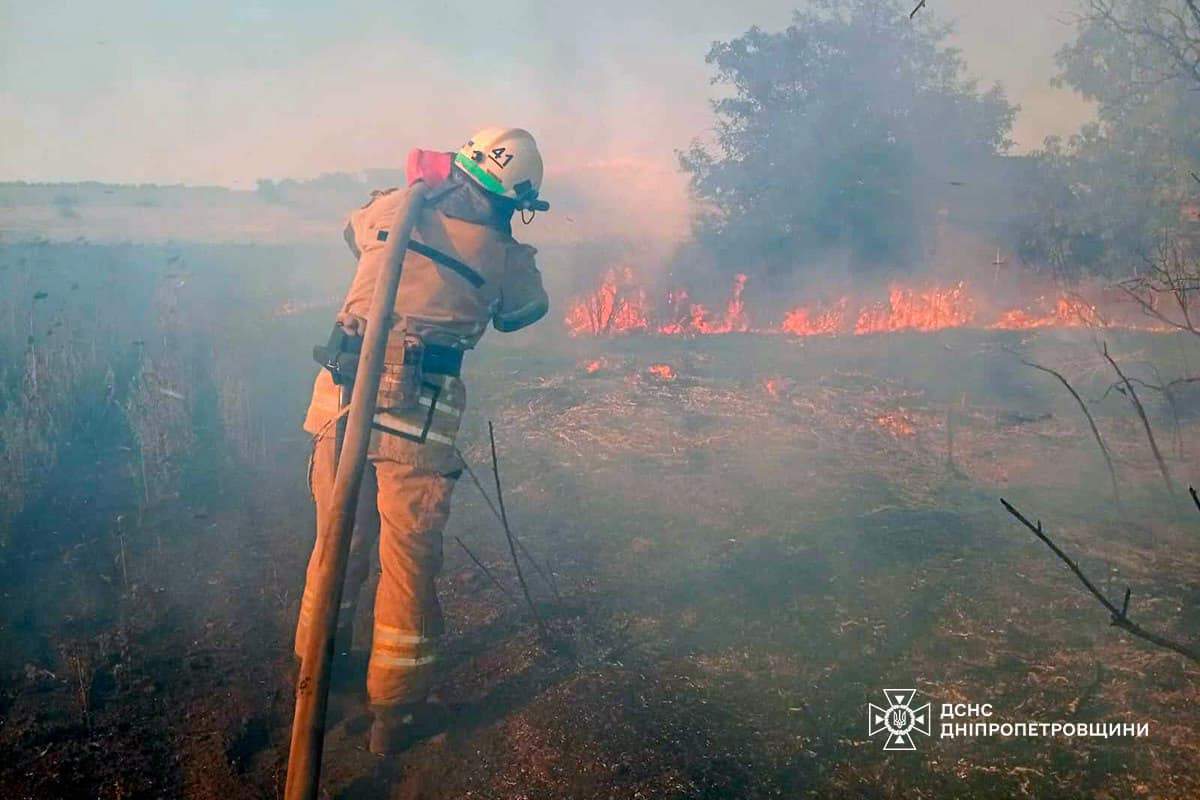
{"points": [[899, 719]]}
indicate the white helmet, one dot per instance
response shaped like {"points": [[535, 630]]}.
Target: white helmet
{"points": [[505, 162]]}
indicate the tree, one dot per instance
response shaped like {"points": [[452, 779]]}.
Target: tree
{"points": [[1086, 207], [840, 132], [1109, 193], [1143, 43]]}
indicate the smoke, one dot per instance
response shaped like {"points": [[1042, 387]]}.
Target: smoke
{"points": [[230, 95]]}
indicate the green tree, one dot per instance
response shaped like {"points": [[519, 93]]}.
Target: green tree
{"points": [[839, 133], [1107, 194]]}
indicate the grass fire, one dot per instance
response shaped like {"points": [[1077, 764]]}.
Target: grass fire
{"points": [[712, 401], [622, 305]]}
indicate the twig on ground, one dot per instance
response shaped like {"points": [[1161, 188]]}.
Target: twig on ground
{"points": [[1112, 472], [1177, 428], [1120, 616], [1141, 411], [512, 547], [1167, 388], [484, 569], [1119, 385], [950, 437], [545, 575]]}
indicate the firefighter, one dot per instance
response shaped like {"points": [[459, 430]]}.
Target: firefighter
{"points": [[462, 271]]}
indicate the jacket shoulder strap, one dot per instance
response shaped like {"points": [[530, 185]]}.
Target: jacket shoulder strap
{"points": [[467, 273]]}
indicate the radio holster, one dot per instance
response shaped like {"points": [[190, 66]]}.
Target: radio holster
{"points": [[339, 355]]}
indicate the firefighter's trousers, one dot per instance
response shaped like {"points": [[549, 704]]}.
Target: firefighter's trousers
{"points": [[405, 509]]}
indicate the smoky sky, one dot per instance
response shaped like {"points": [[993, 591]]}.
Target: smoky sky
{"points": [[227, 92]]}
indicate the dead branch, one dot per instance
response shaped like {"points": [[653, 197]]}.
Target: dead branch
{"points": [[1137, 404], [484, 569], [1112, 471], [1118, 385], [545, 575], [1132, 289], [512, 547], [1173, 273], [1169, 395], [1120, 616], [950, 438], [1195, 497], [1167, 389]]}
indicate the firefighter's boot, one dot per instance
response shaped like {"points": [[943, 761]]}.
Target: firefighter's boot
{"points": [[395, 728]]}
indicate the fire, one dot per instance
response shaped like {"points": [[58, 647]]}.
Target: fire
{"points": [[801, 321], [620, 305], [897, 424], [773, 387], [595, 365], [664, 372], [1068, 312], [695, 318], [933, 309]]}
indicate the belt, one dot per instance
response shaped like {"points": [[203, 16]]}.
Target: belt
{"points": [[441, 360], [340, 357]]}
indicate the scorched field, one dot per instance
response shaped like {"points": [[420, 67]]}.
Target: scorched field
{"points": [[749, 537]]}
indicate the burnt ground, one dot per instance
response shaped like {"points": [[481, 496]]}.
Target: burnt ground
{"points": [[747, 554]]}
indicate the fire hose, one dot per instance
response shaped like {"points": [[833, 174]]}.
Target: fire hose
{"points": [[312, 686]]}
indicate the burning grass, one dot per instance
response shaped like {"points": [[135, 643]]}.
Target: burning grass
{"points": [[692, 404], [622, 305]]}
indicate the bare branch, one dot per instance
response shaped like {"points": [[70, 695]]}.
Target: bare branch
{"points": [[484, 569], [1179, 44], [1141, 411], [1174, 273], [1112, 472], [1130, 288], [512, 548], [545, 575], [1154, 387], [1169, 394], [1120, 616]]}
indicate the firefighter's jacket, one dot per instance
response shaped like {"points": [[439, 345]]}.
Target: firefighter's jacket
{"points": [[463, 270]]}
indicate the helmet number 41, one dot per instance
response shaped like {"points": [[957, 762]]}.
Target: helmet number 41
{"points": [[501, 157]]}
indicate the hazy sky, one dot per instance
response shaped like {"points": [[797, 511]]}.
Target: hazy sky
{"points": [[227, 92]]}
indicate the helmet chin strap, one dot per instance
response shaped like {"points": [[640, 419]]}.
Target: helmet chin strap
{"points": [[531, 205]]}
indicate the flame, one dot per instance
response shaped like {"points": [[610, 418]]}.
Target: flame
{"points": [[932, 309], [620, 305], [773, 387], [803, 321], [896, 423], [1068, 312], [695, 318], [595, 365], [664, 372]]}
